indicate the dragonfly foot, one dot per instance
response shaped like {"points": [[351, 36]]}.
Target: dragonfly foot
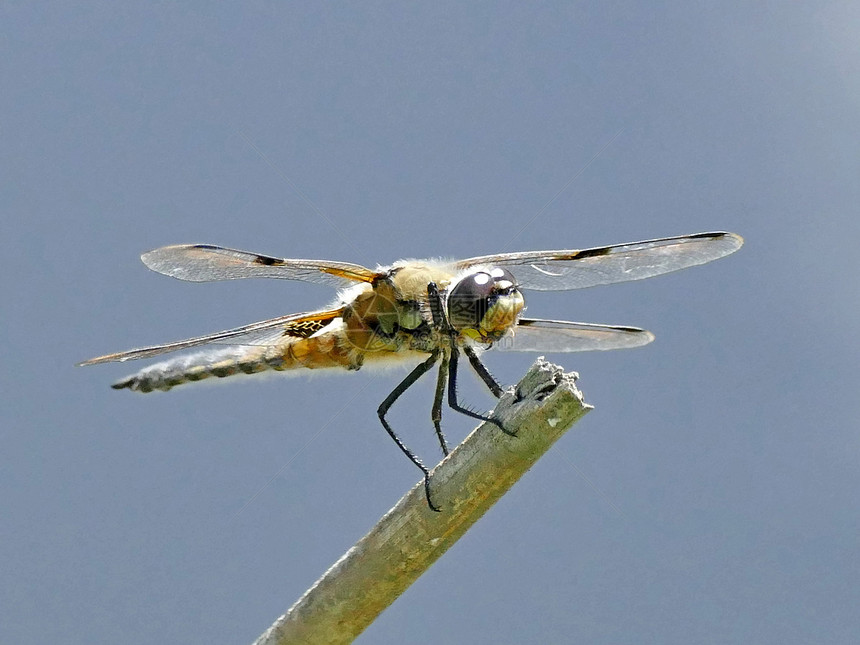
{"points": [[430, 503], [501, 426]]}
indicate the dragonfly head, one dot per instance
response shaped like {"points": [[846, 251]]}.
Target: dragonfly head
{"points": [[484, 304]]}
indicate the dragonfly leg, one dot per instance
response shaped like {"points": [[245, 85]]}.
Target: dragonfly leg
{"points": [[452, 396], [436, 413], [482, 371], [440, 321], [404, 385]]}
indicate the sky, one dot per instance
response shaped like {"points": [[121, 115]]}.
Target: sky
{"points": [[710, 497]]}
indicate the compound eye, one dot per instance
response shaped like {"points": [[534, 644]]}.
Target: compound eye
{"points": [[503, 280], [469, 300]]}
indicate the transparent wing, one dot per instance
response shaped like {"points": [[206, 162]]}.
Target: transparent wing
{"points": [[260, 333], [204, 263], [561, 270], [534, 335]]}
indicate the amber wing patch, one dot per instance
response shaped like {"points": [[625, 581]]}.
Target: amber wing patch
{"points": [[304, 328]]}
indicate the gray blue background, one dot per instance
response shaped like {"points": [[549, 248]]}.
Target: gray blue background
{"points": [[711, 496]]}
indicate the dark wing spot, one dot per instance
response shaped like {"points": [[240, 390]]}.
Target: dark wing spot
{"points": [[267, 261], [707, 235], [587, 253]]}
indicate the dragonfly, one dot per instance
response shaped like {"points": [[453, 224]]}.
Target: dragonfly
{"points": [[425, 313]]}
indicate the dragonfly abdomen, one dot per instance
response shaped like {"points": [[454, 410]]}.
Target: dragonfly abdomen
{"points": [[293, 353]]}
